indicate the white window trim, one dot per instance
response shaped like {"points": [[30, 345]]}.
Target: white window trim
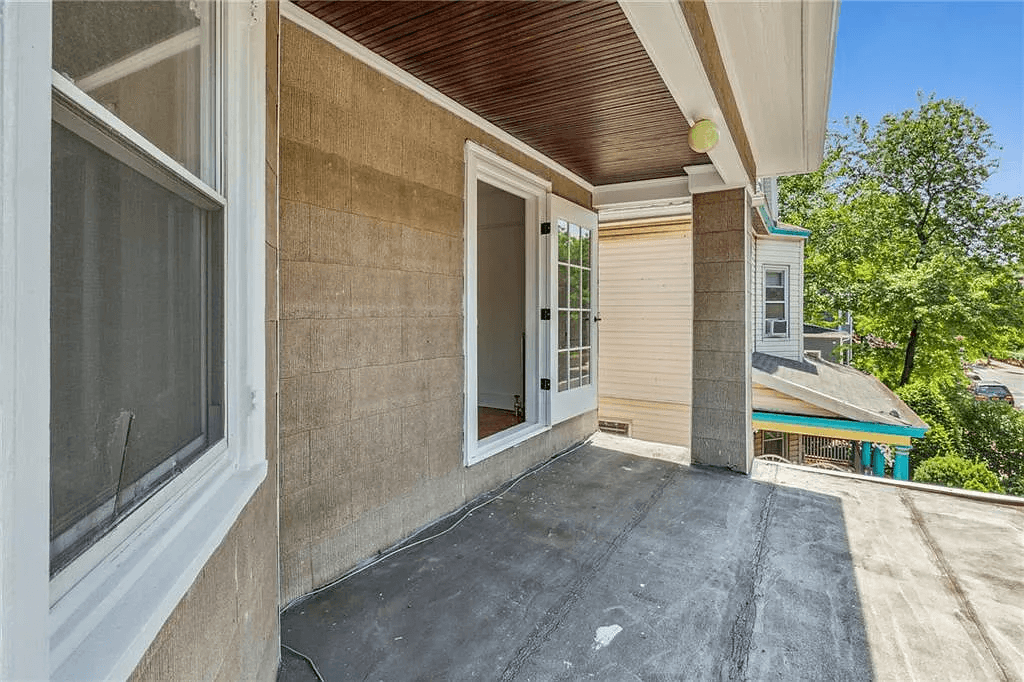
{"points": [[24, 338], [783, 437], [486, 166], [104, 619], [784, 269]]}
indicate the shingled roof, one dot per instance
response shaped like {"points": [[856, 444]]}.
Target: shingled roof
{"points": [[840, 389]]}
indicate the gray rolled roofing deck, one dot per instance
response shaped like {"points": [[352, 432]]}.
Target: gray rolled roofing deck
{"points": [[609, 566]]}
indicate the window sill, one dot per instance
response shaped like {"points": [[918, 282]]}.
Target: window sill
{"points": [[504, 440], [107, 621]]}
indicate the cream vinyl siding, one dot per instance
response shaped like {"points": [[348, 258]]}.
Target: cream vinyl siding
{"points": [[772, 253], [646, 290]]}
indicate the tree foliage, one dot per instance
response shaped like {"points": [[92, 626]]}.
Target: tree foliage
{"points": [[991, 432], [904, 235]]}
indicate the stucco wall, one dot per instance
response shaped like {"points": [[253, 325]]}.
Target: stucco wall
{"points": [[226, 627], [722, 248], [372, 262]]}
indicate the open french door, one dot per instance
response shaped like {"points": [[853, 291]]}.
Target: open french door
{"points": [[572, 254]]}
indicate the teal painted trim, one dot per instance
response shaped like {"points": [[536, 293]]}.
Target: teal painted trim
{"points": [[826, 422], [789, 232], [901, 467], [773, 227], [865, 454]]}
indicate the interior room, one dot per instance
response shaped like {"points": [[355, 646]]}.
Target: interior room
{"points": [[501, 322]]}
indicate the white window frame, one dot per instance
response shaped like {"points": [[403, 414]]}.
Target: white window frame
{"points": [[484, 165], [785, 301], [98, 616], [782, 437]]}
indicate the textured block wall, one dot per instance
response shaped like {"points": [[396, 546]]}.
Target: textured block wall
{"points": [[372, 261], [721, 430], [226, 627]]}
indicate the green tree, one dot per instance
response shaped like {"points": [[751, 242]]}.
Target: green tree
{"points": [[904, 235]]}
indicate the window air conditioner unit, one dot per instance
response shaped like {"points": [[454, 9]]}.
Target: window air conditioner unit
{"points": [[776, 327]]}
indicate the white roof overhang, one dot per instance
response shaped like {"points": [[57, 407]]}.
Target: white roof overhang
{"points": [[778, 57]]}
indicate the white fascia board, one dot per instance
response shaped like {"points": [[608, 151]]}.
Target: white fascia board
{"points": [[778, 58], [325, 31], [820, 26], [663, 31], [643, 190], [660, 198]]}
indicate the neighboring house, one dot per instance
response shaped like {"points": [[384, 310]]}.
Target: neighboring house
{"points": [[808, 409], [282, 284], [825, 341], [805, 409]]}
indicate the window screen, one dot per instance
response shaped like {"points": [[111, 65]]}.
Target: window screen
{"points": [[137, 253], [135, 341]]}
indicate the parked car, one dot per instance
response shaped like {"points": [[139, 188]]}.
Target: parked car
{"points": [[991, 390]]}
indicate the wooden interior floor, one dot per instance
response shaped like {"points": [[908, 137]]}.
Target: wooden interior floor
{"points": [[491, 420]]}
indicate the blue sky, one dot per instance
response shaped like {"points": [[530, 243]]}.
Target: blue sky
{"points": [[971, 50]]}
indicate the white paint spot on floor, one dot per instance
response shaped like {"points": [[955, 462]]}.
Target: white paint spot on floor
{"points": [[605, 635]]}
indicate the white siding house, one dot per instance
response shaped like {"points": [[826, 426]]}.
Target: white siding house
{"points": [[779, 259], [647, 328]]}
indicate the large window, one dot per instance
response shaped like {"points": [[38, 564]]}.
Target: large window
{"points": [[776, 303], [132, 302], [136, 314]]}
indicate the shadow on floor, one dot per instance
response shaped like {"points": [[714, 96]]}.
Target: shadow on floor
{"points": [[603, 566]]}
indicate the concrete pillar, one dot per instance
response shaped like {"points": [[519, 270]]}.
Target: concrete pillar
{"points": [[865, 454], [722, 433]]}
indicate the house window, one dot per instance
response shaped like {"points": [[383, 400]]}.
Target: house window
{"points": [[133, 238], [773, 443], [776, 303], [137, 260]]}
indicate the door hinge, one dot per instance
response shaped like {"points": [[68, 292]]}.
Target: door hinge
{"points": [[545, 384], [545, 228], [545, 313]]}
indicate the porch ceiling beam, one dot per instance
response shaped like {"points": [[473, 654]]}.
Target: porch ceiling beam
{"points": [[659, 198], [666, 35]]}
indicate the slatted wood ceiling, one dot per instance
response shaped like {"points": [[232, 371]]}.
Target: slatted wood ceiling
{"points": [[570, 79]]}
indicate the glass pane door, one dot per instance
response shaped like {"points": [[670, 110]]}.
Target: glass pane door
{"points": [[573, 338]]}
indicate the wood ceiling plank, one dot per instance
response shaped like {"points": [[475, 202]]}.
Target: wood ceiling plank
{"points": [[570, 79]]}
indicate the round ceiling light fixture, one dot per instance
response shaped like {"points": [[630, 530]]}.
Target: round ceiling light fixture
{"points": [[703, 136]]}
